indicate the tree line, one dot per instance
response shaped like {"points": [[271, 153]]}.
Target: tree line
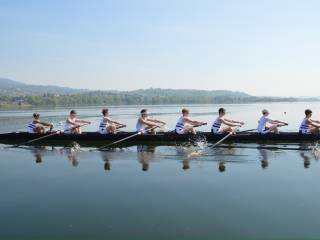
{"points": [[127, 98]]}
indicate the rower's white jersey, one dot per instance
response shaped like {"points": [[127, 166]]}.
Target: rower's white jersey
{"points": [[216, 125], [180, 125], [103, 126], [68, 126], [262, 124], [304, 126], [31, 126], [140, 127]]}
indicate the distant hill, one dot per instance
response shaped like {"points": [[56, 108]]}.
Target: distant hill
{"points": [[11, 87], [13, 94]]}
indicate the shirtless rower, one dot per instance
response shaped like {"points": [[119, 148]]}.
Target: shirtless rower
{"points": [[186, 125], [145, 122], [37, 126], [107, 125], [218, 128], [71, 125], [308, 125], [267, 125]]}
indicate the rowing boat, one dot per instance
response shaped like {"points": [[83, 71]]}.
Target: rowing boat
{"points": [[96, 139]]}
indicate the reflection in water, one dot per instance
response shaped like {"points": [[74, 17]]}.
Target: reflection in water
{"points": [[106, 157], [306, 160], [71, 152], [265, 155], [38, 151], [222, 166], [186, 164], [145, 154]]}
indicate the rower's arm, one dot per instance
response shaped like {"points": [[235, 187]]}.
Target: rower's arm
{"points": [[314, 123], [45, 124], [193, 122], [229, 123], [234, 121], [281, 122], [72, 122], [149, 123], [114, 122], [156, 121], [82, 121]]}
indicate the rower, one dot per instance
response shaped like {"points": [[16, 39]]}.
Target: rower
{"points": [[145, 122], [71, 125], [230, 124], [267, 125], [107, 125], [181, 125], [37, 126], [308, 125]]}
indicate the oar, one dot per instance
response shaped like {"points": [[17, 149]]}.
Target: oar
{"points": [[222, 139], [126, 138], [43, 137], [249, 130]]}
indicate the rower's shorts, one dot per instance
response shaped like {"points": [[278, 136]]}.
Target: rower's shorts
{"points": [[103, 130], [265, 131], [305, 131], [216, 131], [179, 131]]}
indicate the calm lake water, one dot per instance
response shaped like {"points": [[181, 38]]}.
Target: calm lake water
{"points": [[160, 192]]}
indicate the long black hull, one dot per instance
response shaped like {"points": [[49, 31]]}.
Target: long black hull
{"points": [[96, 139]]}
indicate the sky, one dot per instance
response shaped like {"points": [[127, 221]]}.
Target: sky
{"points": [[269, 47]]}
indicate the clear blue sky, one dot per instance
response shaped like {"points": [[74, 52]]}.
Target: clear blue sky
{"points": [[261, 47]]}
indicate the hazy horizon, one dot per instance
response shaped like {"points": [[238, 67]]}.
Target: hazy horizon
{"points": [[260, 48]]}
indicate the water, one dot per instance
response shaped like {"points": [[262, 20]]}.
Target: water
{"points": [[160, 192]]}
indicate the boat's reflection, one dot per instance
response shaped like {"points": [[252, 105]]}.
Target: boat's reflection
{"points": [[189, 157]]}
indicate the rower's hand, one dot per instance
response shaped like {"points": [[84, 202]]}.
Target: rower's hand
{"points": [[203, 124]]}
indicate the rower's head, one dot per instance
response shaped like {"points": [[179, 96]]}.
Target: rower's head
{"points": [[185, 112], [308, 113], [36, 115], [105, 111], [73, 113], [222, 112], [144, 113], [265, 112]]}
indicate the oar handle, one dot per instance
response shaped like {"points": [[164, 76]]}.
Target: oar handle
{"points": [[199, 125]]}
